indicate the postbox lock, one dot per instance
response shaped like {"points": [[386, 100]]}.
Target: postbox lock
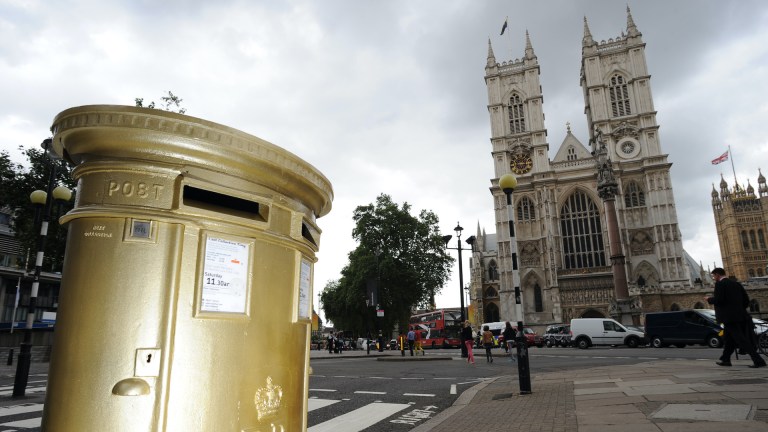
{"points": [[147, 362]]}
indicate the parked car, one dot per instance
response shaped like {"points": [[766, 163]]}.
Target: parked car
{"points": [[587, 332], [531, 338], [557, 335], [393, 345], [682, 328]]}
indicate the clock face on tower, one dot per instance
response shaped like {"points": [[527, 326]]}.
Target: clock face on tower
{"points": [[521, 164]]}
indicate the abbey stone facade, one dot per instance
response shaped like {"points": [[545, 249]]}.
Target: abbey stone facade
{"points": [[561, 225]]}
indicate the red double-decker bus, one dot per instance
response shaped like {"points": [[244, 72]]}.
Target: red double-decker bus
{"points": [[439, 328]]}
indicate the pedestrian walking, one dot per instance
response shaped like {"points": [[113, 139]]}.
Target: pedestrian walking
{"points": [[417, 342], [330, 343], [411, 340], [488, 344], [509, 340], [731, 300], [466, 337]]}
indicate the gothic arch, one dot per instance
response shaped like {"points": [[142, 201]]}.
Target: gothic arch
{"points": [[491, 312], [674, 307], [570, 190], [699, 305], [646, 274], [592, 313], [491, 292]]}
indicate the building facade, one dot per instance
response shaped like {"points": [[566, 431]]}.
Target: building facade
{"points": [[741, 218], [561, 226]]}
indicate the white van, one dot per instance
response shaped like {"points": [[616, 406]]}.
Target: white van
{"points": [[586, 332]]}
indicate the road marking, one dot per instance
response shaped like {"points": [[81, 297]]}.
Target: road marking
{"points": [[411, 378], [20, 409], [322, 390], [360, 418], [28, 390], [453, 388], [314, 404], [384, 378], [370, 392], [419, 394], [29, 423], [450, 378]]}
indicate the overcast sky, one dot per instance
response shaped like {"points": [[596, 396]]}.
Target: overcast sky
{"points": [[389, 96]]}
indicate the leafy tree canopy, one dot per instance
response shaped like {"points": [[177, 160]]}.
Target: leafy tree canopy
{"points": [[169, 103], [16, 183], [400, 262]]}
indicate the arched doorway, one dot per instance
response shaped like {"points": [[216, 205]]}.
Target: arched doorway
{"points": [[491, 312], [592, 313]]}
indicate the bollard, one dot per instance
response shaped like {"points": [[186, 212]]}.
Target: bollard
{"points": [[10, 357]]}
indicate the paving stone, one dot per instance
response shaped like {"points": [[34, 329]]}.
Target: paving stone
{"points": [[710, 412]]}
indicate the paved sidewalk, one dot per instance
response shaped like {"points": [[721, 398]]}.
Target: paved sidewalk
{"points": [[657, 396]]}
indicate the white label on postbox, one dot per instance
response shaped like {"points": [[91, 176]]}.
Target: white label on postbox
{"points": [[305, 279], [225, 274]]}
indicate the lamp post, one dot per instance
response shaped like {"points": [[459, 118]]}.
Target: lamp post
{"points": [[607, 189], [471, 241], [42, 201], [508, 183]]}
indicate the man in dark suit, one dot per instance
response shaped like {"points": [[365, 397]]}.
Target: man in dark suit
{"points": [[731, 301]]}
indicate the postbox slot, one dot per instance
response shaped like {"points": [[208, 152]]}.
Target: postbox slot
{"points": [[214, 201], [307, 234]]}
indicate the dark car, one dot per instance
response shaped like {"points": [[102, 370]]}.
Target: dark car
{"points": [[681, 328]]}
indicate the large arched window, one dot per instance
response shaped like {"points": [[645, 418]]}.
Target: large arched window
{"points": [[491, 293], [761, 238], [525, 210], [493, 272], [753, 238], [516, 115], [619, 96], [633, 196], [581, 232], [744, 240]]}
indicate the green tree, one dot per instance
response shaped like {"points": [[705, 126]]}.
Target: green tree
{"points": [[403, 255], [16, 183], [170, 103]]}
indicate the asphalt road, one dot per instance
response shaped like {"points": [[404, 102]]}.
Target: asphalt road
{"points": [[426, 387]]}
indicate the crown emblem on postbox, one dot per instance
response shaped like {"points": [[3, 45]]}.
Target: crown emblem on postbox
{"points": [[268, 399]]}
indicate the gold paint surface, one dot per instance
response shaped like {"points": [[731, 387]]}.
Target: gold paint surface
{"points": [[134, 349]]}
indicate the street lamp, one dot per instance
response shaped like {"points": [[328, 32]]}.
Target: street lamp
{"points": [[607, 189], [508, 183], [471, 241], [42, 200]]}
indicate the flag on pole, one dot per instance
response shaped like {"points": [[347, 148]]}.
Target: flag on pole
{"points": [[504, 27], [720, 159]]}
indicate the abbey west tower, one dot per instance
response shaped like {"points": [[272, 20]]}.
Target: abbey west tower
{"points": [[564, 258]]}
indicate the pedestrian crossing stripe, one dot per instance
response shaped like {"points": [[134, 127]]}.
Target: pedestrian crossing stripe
{"points": [[360, 418]]}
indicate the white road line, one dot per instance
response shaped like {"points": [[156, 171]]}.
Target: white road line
{"points": [[29, 390], [28, 423], [20, 409], [360, 418], [411, 378], [322, 390], [419, 394], [314, 404], [453, 388], [384, 378], [451, 378], [369, 392]]}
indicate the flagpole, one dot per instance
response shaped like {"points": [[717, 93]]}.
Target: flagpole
{"points": [[730, 155]]}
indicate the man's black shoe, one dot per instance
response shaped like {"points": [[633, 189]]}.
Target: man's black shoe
{"points": [[759, 365], [723, 363]]}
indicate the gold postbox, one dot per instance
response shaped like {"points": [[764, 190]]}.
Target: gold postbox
{"points": [[186, 293]]}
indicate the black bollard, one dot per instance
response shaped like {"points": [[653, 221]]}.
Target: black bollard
{"points": [[10, 357]]}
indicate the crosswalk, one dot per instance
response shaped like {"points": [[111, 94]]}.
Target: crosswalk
{"points": [[18, 423]]}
